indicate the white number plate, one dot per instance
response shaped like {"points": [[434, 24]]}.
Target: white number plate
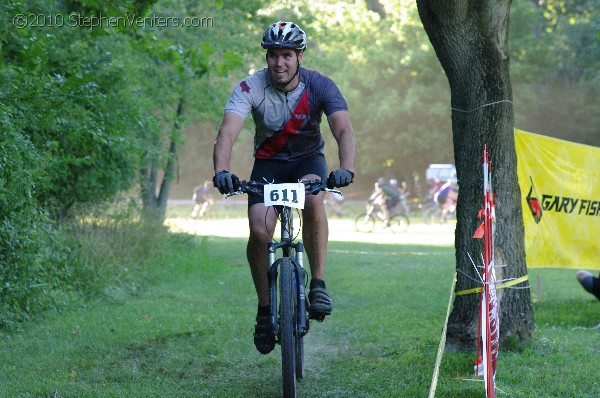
{"points": [[291, 195]]}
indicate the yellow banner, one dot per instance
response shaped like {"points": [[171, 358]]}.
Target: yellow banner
{"points": [[560, 189]]}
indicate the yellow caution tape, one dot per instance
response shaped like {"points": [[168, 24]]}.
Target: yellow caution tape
{"points": [[500, 286]]}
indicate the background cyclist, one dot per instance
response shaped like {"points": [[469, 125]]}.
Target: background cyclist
{"points": [[386, 197], [202, 198]]}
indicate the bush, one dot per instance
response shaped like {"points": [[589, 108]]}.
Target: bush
{"points": [[31, 252], [70, 120], [110, 247], [99, 254]]}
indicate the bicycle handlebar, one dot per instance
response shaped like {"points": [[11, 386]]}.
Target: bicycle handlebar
{"points": [[313, 187]]}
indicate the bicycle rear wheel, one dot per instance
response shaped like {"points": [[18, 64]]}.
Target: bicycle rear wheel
{"points": [[399, 224], [287, 326], [431, 215], [365, 223]]}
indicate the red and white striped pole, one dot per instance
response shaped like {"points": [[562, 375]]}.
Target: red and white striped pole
{"points": [[489, 322]]}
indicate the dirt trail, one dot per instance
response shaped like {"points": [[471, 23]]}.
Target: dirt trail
{"points": [[339, 230]]}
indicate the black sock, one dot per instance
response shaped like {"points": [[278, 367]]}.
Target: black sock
{"points": [[266, 310], [317, 283]]}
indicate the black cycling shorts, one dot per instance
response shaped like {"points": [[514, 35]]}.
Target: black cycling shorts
{"points": [[280, 171], [442, 199]]}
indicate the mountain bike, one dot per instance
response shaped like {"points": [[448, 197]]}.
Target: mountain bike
{"points": [[433, 213], [289, 305], [398, 223]]}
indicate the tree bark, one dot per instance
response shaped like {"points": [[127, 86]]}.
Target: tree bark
{"points": [[470, 39], [155, 203]]}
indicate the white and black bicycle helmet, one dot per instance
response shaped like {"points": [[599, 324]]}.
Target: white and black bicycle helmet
{"points": [[284, 35]]}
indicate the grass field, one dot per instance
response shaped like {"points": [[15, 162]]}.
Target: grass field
{"points": [[188, 331]]}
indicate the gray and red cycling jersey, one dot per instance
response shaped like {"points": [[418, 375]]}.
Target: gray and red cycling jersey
{"points": [[287, 124]]}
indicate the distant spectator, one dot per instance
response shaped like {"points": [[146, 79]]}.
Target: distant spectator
{"points": [[403, 194], [417, 189], [202, 199]]}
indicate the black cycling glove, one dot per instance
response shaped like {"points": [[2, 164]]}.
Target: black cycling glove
{"points": [[339, 178], [226, 182]]}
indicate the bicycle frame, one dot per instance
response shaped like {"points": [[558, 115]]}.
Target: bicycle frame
{"points": [[375, 209]]}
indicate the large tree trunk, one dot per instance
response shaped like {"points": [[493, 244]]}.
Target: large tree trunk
{"points": [[470, 40]]}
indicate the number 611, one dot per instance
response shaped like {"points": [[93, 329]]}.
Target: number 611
{"points": [[283, 195]]}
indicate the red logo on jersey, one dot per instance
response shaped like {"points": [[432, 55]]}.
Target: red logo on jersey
{"points": [[279, 140], [245, 87]]}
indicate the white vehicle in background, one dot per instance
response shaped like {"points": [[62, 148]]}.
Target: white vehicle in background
{"points": [[441, 172]]}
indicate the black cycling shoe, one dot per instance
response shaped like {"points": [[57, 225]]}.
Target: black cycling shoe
{"points": [[321, 303], [264, 338]]}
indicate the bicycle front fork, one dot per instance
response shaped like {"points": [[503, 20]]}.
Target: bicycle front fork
{"points": [[299, 282]]}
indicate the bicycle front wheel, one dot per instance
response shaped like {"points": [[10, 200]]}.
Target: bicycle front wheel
{"points": [[365, 223], [299, 357], [287, 326], [299, 336], [399, 224]]}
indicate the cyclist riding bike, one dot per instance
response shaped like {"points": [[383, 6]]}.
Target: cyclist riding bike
{"points": [[386, 197], [287, 102], [446, 197], [202, 198]]}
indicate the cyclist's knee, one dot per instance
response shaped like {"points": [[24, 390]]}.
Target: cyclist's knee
{"points": [[314, 214], [315, 203], [259, 232]]}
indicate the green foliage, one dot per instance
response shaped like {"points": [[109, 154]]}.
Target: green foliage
{"points": [[24, 251], [555, 54], [75, 104], [44, 268], [87, 100], [69, 120]]}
